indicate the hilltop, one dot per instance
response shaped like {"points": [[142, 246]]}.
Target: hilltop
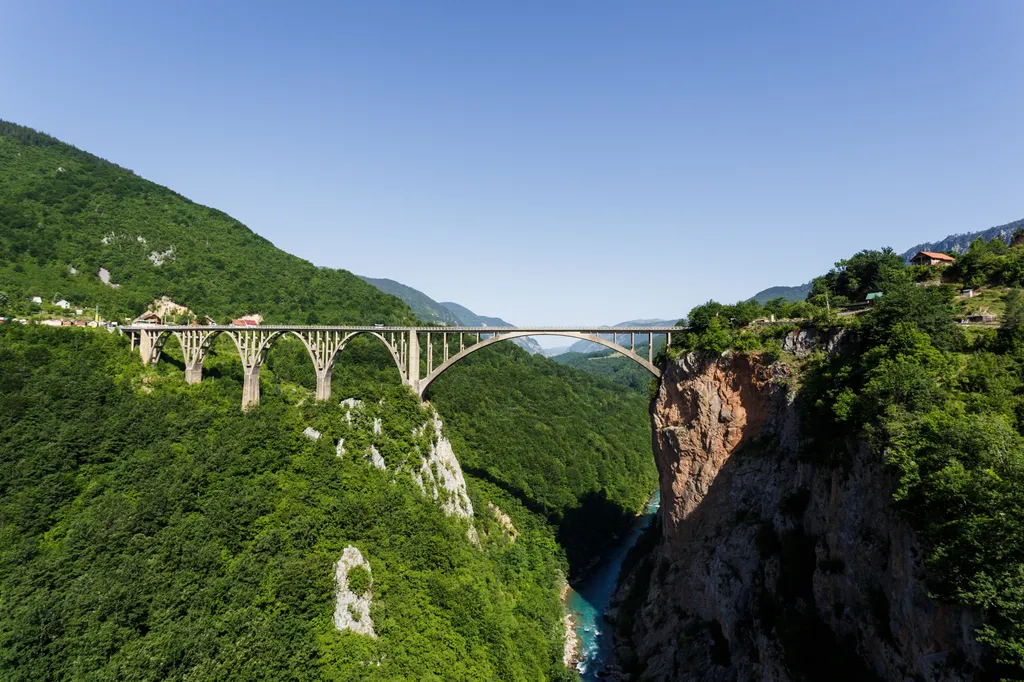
{"points": [[66, 216]]}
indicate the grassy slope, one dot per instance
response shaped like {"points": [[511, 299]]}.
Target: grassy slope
{"points": [[59, 204]]}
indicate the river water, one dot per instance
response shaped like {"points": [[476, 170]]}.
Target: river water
{"points": [[588, 599]]}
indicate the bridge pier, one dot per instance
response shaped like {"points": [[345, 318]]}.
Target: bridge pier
{"points": [[149, 347], [251, 387], [413, 373], [194, 373], [323, 383]]}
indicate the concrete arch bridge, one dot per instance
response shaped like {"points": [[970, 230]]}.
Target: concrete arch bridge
{"points": [[421, 353]]}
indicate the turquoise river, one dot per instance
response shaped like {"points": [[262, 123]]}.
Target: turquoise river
{"points": [[588, 599]]}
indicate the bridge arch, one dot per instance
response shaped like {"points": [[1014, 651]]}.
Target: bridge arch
{"points": [[507, 336], [324, 351]]}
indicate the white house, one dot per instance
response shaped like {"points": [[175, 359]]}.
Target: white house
{"points": [[37, 299], [62, 304]]}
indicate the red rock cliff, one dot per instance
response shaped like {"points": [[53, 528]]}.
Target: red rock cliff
{"points": [[775, 564]]}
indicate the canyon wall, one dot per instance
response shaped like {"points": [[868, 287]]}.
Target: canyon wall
{"points": [[775, 562]]}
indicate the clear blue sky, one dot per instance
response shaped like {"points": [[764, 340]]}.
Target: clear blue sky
{"points": [[549, 162]]}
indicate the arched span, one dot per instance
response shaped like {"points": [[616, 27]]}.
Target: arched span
{"points": [[506, 336], [324, 358], [192, 351]]}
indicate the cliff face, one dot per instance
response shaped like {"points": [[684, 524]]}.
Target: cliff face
{"points": [[775, 564]]}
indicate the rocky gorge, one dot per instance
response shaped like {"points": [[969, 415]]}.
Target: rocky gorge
{"points": [[771, 561]]}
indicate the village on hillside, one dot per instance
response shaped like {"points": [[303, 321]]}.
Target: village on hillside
{"points": [[61, 313]]}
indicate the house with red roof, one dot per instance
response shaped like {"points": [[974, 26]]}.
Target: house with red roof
{"points": [[931, 258]]}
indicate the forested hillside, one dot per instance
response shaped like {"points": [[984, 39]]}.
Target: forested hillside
{"points": [[530, 426], [150, 530], [65, 214]]}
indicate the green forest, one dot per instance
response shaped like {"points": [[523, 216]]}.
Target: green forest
{"points": [[941, 402], [152, 530]]}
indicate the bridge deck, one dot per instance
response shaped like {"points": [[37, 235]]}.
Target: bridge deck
{"points": [[373, 328]]}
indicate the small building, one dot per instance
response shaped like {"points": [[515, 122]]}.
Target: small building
{"points": [[79, 323], [78, 311], [52, 323], [873, 296], [967, 293], [62, 304], [148, 317], [932, 258], [37, 299], [244, 322]]}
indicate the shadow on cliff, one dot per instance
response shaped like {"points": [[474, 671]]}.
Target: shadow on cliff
{"points": [[585, 531], [781, 608]]}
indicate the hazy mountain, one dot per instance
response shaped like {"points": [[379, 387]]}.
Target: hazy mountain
{"points": [[591, 347], [467, 318], [426, 308], [958, 243], [429, 310]]}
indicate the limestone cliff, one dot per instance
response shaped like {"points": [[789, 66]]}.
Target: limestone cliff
{"points": [[775, 563]]}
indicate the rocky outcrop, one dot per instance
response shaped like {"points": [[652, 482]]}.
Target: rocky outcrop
{"points": [[776, 563], [352, 604]]}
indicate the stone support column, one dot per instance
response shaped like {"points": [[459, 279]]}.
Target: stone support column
{"points": [[194, 372], [251, 387], [323, 383], [414, 362]]}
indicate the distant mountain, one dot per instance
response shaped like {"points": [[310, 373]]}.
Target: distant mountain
{"points": [[429, 310], [958, 243], [798, 293], [468, 318], [591, 347], [426, 308]]}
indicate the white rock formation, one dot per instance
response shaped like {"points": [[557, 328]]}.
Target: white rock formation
{"points": [[104, 276], [311, 433], [377, 429], [158, 258], [375, 457], [348, 405], [340, 450], [351, 610], [440, 476]]}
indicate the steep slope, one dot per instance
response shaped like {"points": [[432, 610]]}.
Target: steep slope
{"points": [[151, 530], [568, 445], [778, 565], [66, 216]]}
